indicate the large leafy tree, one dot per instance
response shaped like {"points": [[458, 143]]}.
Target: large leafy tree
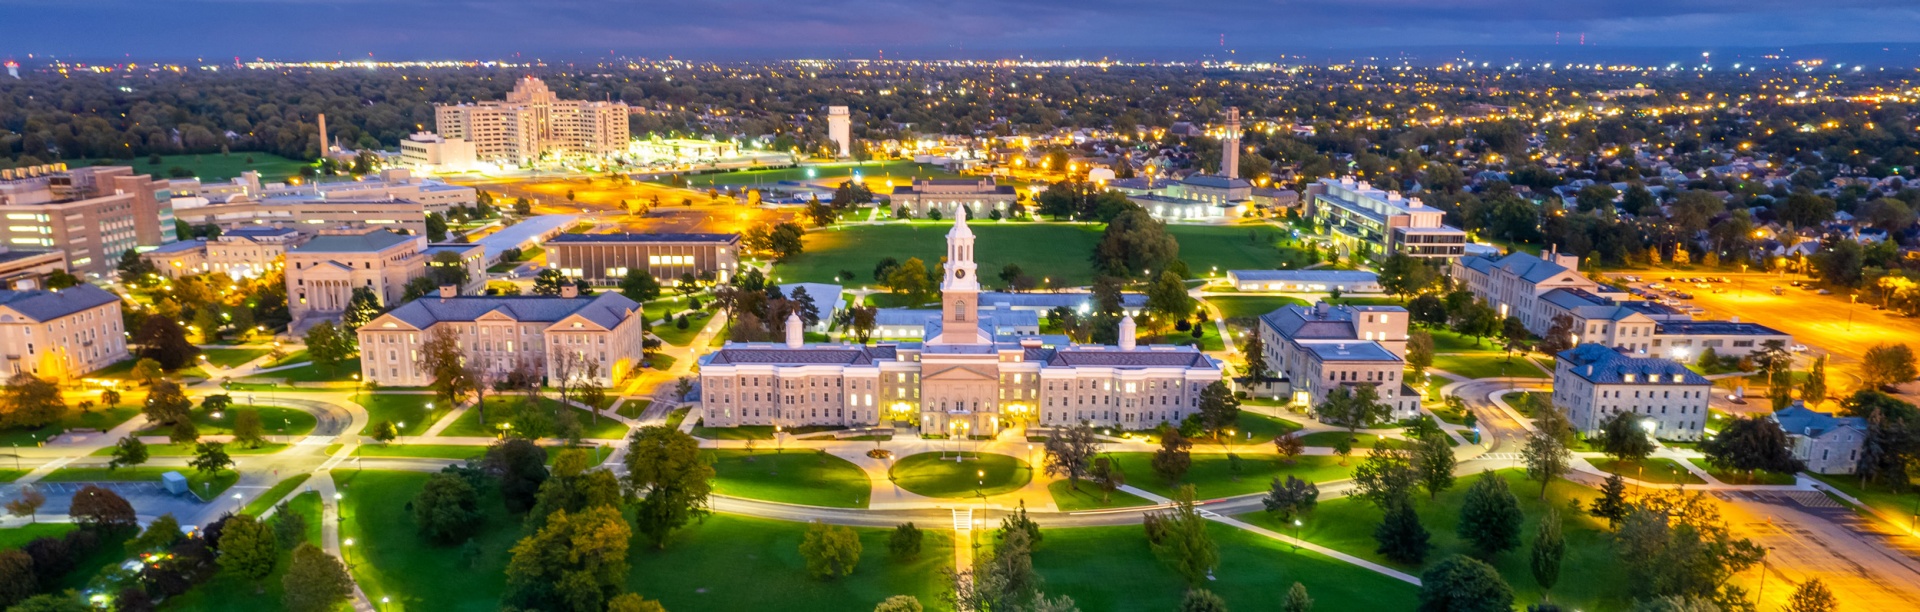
{"points": [[1403, 275], [1622, 437], [520, 468], [315, 581], [1464, 584], [576, 563], [1219, 409], [165, 341], [361, 309], [29, 401], [247, 547], [1387, 477], [665, 467], [830, 551], [1400, 536], [1887, 364], [1749, 444], [166, 403], [1183, 543], [1070, 452], [1353, 407], [1490, 516], [1174, 457], [1283, 499], [1545, 450], [441, 357], [447, 510], [1433, 463]]}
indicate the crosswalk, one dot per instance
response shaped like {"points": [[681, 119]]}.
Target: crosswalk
{"points": [[963, 519], [1501, 456]]}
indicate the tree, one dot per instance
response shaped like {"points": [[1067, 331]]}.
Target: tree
{"points": [[1612, 502], [1184, 544], [99, 508], [1490, 516], [1463, 584], [1297, 599], [288, 526], [436, 228], [183, 432], [1814, 390], [633, 602], [1353, 407], [831, 551], [327, 346], [247, 548], [1167, 297], [441, 356], [1749, 444], [50, 603], [1255, 351], [1403, 275], [904, 541], [1400, 535], [1219, 409], [1173, 458], [577, 562], [29, 402], [1070, 453], [28, 503], [161, 534], [1294, 495], [247, 429], [165, 341], [447, 510], [1887, 364], [1386, 477], [1019, 521], [136, 270], [1623, 438], [129, 451], [1289, 445], [1419, 353], [382, 431], [1812, 596], [639, 286], [549, 282], [1433, 463], [1202, 600], [210, 457], [520, 468], [17, 579], [361, 309], [1549, 548], [146, 370], [1545, 451], [315, 581], [899, 603], [676, 480], [910, 280]]}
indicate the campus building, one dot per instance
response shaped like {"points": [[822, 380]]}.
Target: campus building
{"points": [[396, 199], [594, 338], [533, 123], [960, 380], [1314, 350], [61, 334], [1305, 281], [950, 196], [92, 214], [604, 259], [1513, 284], [1686, 339], [243, 252], [323, 273], [29, 269], [1591, 383], [1374, 223], [1825, 443], [431, 152]]}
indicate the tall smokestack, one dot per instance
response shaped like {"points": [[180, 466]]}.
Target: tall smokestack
{"points": [[1230, 145], [324, 149]]}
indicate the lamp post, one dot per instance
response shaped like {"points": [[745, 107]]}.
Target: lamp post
{"points": [[1296, 535]]}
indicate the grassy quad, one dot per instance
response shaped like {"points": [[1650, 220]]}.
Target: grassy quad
{"points": [[500, 408], [1488, 365], [795, 477], [670, 332], [211, 167], [344, 372], [1657, 470], [1330, 438], [101, 419], [1212, 473], [1589, 574], [1757, 478], [411, 413], [1087, 497], [277, 421], [260, 503], [226, 591], [390, 560], [1043, 250], [1112, 569], [701, 568], [927, 474], [232, 357]]}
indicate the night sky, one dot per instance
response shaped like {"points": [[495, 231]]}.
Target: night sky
{"points": [[745, 29]]}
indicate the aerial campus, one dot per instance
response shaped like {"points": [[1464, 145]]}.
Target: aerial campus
{"points": [[1552, 327]]}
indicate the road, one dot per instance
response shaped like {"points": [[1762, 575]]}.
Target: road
{"points": [[1807, 534]]}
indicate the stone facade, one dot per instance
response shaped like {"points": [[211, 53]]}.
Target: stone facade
{"points": [[501, 332], [1591, 383], [62, 334]]}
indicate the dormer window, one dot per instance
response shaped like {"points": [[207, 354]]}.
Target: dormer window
{"points": [[1629, 378]]}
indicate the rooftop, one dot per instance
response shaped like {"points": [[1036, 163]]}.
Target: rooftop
{"points": [[1339, 276], [606, 309], [47, 305], [629, 237], [1601, 365], [367, 242], [1715, 328]]}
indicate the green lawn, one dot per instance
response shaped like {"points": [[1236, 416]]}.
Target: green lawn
{"points": [[1249, 306], [1446, 341], [743, 432], [1212, 473], [274, 494], [197, 480], [422, 451], [1656, 470], [230, 357], [928, 475], [98, 418], [1526, 402], [190, 449], [900, 172], [1043, 250], [499, 407], [411, 413], [661, 361], [278, 421], [794, 477], [1329, 438], [1761, 477], [1489, 365], [1254, 428], [1087, 497], [660, 308], [391, 560], [701, 568], [294, 357], [632, 409], [15, 537], [211, 167], [1899, 506], [226, 591], [343, 372], [1589, 575], [672, 334], [1113, 569], [1215, 249]]}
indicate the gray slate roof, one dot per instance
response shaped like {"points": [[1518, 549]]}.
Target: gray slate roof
{"points": [[1799, 420], [47, 305], [1142, 357], [606, 309], [1601, 365], [374, 241]]}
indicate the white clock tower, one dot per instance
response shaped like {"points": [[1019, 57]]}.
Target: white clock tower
{"points": [[960, 288]]}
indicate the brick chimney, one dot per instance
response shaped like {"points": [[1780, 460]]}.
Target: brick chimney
{"points": [[569, 291]]}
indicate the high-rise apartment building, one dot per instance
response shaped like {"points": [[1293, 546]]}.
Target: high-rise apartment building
{"points": [[533, 123]]}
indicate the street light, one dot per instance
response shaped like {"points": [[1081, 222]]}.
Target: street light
{"points": [[1296, 535]]}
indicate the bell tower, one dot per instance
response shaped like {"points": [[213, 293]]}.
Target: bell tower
{"points": [[960, 288]]}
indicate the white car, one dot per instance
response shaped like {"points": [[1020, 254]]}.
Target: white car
{"points": [[1798, 348]]}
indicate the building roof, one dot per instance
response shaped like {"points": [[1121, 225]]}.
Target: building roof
{"points": [[1601, 365], [1715, 328], [176, 247], [1801, 421], [1348, 350], [1156, 356], [367, 242], [1527, 266], [606, 309], [766, 353], [1215, 181], [631, 237], [1306, 323], [519, 234], [47, 305], [1323, 276], [1071, 300]]}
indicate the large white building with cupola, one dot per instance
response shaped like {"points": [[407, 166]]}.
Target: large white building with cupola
{"points": [[961, 380]]}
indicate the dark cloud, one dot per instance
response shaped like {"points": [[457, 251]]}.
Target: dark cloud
{"points": [[911, 28]]}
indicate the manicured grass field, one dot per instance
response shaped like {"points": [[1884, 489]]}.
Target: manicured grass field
{"points": [[1329, 438], [1254, 428], [662, 307], [230, 357], [1527, 402], [1113, 569], [901, 172], [1043, 250], [422, 451], [661, 361], [274, 494], [701, 567], [15, 537], [1491, 365], [195, 479], [1230, 247], [928, 475], [211, 167], [391, 560], [410, 413], [1655, 470], [1446, 341], [499, 408], [294, 357], [1087, 497], [743, 432], [98, 418], [672, 334], [1212, 473], [277, 421], [226, 591], [190, 449], [1757, 478], [313, 373], [632, 409], [794, 477], [1250, 306]]}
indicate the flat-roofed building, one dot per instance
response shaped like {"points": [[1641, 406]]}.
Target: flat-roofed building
{"points": [[433, 153], [1374, 223], [92, 214], [950, 196], [26, 269], [534, 122], [604, 259], [1686, 340], [1591, 383], [599, 335], [395, 200], [1305, 281], [63, 334], [1317, 349]]}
